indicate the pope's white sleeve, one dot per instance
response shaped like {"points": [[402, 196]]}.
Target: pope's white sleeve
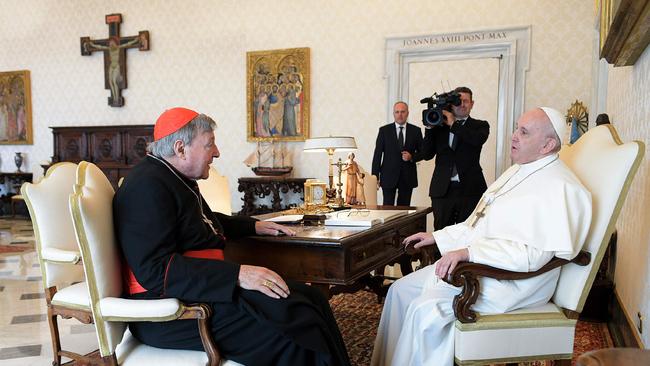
{"points": [[508, 255], [452, 237]]}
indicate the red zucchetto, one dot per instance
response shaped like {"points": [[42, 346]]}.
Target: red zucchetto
{"points": [[171, 121]]}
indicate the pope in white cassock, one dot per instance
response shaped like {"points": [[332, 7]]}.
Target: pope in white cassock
{"points": [[535, 210]]}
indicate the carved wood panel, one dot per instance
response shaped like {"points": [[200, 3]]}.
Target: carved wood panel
{"points": [[114, 149], [106, 147], [70, 147]]}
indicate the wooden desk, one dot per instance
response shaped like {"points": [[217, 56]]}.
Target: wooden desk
{"points": [[329, 255]]}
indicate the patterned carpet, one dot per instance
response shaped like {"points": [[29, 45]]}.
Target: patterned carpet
{"points": [[358, 316]]}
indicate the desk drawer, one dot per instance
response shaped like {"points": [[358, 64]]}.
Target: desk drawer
{"points": [[374, 251]]}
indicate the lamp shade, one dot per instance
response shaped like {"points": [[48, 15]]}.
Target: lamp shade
{"points": [[338, 143]]}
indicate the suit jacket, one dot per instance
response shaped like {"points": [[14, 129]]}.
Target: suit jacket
{"points": [[470, 137], [387, 163]]}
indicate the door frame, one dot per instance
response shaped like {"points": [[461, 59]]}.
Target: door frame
{"points": [[511, 45]]}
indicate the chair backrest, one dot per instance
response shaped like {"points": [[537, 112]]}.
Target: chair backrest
{"points": [[370, 189], [47, 203], [216, 192], [606, 167], [91, 206]]}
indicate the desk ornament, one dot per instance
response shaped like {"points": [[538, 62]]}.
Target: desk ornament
{"points": [[270, 159], [18, 159], [339, 202]]}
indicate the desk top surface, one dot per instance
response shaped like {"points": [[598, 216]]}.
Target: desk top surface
{"points": [[337, 234]]}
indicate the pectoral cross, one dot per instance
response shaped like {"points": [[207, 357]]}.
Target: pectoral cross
{"points": [[479, 212], [114, 48]]}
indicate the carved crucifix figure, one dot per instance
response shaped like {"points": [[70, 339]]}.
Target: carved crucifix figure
{"points": [[114, 48]]}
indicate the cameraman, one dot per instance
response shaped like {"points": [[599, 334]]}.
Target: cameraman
{"points": [[457, 182]]}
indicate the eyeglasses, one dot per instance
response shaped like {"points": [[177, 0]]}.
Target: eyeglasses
{"points": [[353, 212]]}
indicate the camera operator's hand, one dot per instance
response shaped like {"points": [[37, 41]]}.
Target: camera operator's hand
{"points": [[406, 156], [449, 117]]}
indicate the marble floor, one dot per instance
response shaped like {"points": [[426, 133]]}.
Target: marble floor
{"points": [[24, 332]]}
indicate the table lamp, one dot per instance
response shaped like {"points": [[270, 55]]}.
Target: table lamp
{"points": [[329, 145]]}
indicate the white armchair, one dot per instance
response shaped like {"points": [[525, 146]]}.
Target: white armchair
{"points": [[66, 294], [606, 167], [216, 192], [91, 207]]}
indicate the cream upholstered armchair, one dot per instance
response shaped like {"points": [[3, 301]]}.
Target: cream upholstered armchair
{"points": [[606, 167], [216, 192], [91, 207], [65, 289]]}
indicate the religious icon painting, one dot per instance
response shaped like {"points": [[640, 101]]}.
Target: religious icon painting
{"points": [[15, 108], [277, 95]]}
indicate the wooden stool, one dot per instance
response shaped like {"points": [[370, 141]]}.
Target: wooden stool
{"points": [[15, 199]]}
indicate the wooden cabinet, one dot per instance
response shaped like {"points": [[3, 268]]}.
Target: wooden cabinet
{"points": [[276, 188], [114, 149]]}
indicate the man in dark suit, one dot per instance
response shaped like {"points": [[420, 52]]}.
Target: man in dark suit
{"points": [[457, 182], [396, 151]]}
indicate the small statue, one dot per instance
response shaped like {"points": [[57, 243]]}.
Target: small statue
{"points": [[354, 183]]}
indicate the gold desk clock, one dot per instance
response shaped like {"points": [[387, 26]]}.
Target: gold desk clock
{"points": [[315, 196]]}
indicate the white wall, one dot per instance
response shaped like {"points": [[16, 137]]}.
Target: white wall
{"points": [[197, 59], [629, 110]]}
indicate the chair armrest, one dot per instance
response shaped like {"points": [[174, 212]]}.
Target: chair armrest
{"points": [[127, 310], [60, 255], [466, 275]]}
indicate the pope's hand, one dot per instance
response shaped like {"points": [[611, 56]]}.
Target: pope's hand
{"points": [[273, 229], [446, 264], [263, 280], [420, 240]]}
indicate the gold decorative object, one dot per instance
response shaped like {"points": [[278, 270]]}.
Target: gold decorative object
{"points": [[339, 201], [278, 95], [315, 193], [577, 113], [330, 145]]}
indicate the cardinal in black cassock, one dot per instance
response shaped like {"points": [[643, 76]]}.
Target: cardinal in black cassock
{"points": [[173, 247]]}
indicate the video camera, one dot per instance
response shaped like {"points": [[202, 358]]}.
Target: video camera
{"points": [[432, 116]]}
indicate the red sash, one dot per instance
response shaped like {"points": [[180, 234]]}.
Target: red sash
{"points": [[134, 287]]}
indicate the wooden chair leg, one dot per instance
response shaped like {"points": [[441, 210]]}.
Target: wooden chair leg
{"points": [[54, 335]]}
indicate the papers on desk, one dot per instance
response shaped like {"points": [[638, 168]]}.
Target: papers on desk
{"points": [[286, 219], [363, 217]]}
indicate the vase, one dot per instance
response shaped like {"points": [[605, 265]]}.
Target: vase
{"points": [[18, 159]]}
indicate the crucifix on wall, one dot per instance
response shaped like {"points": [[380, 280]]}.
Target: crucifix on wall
{"points": [[114, 48]]}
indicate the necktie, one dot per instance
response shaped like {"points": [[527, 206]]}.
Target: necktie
{"points": [[400, 138], [454, 140], [453, 145]]}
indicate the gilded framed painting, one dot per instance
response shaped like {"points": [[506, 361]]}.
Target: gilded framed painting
{"points": [[15, 108], [277, 95]]}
